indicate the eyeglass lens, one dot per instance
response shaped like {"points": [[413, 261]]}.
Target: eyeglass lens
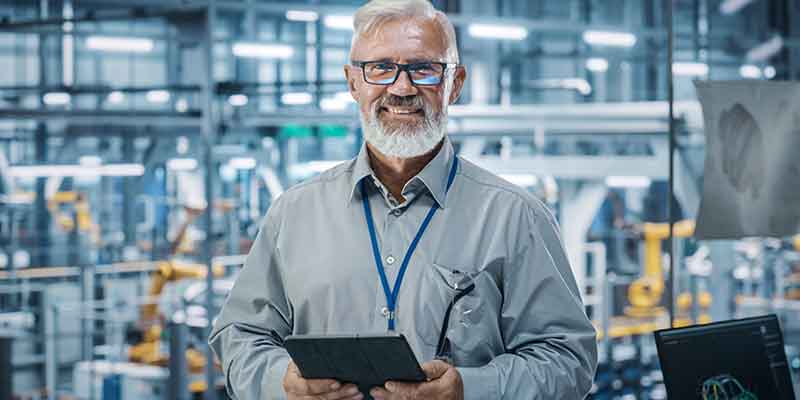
{"points": [[384, 73]]}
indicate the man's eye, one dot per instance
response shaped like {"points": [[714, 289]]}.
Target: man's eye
{"points": [[422, 68], [383, 67]]}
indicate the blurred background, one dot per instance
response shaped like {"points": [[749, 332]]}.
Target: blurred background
{"points": [[142, 141]]}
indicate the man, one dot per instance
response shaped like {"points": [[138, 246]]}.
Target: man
{"points": [[331, 250]]}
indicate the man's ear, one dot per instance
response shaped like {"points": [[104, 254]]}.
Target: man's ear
{"points": [[350, 75], [458, 83]]}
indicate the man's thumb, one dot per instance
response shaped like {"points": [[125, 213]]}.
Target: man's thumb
{"points": [[434, 369]]}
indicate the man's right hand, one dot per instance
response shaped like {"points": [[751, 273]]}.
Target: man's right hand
{"points": [[299, 388]]}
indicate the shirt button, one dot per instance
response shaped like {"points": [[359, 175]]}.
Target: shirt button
{"points": [[390, 260], [397, 213]]}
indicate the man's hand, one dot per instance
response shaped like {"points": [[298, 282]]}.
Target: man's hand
{"points": [[299, 388], [444, 384]]}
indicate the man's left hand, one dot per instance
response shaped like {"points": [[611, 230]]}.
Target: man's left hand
{"points": [[444, 383]]}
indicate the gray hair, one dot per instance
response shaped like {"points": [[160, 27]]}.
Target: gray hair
{"points": [[377, 12]]}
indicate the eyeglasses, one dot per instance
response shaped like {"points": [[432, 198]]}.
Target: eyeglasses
{"points": [[385, 73]]}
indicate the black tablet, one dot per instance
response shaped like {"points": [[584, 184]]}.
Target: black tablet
{"points": [[366, 361]]}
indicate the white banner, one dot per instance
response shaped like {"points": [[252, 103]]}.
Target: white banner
{"points": [[752, 168]]}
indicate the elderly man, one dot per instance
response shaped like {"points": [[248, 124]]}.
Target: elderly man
{"points": [[390, 239]]}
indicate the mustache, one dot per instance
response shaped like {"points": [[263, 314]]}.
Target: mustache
{"points": [[401, 101]]}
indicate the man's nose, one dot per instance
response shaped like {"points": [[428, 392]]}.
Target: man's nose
{"points": [[403, 85]]}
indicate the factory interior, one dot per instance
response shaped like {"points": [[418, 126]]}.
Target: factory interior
{"points": [[143, 141]]}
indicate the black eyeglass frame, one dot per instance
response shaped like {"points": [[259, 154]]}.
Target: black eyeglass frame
{"points": [[404, 68]]}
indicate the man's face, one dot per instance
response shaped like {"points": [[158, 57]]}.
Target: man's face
{"points": [[403, 119]]}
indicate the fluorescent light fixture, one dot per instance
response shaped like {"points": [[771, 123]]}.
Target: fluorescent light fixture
{"points": [[522, 180], [116, 97], [632, 182], [36, 171], [181, 164], [597, 64], [769, 72], [345, 96], [56, 98], [581, 85], [297, 98], [341, 22], [749, 71], [262, 50], [302, 15], [90, 161], [508, 32], [22, 259], [690, 69], [237, 100], [332, 104], [607, 38], [766, 50], [312, 167], [158, 96], [181, 105], [242, 162], [339, 102], [119, 44], [729, 7]]}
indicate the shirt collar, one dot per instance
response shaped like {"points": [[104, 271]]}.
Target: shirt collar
{"points": [[433, 176]]}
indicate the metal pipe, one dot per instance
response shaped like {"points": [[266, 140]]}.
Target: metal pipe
{"points": [[177, 386], [671, 211], [209, 140]]}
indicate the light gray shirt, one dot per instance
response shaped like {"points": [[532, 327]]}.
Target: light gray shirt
{"points": [[522, 333]]}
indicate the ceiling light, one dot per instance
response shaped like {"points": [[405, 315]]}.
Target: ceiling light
{"points": [[766, 50], [605, 38], [749, 71], [116, 97], [181, 164], [522, 180], [301, 15], [332, 104], [261, 50], [90, 161], [36, 171], [729, 7], [769, 72], [509, 32], [342, 22], [632, 182], [242, 162], [158, 96], [56, 98], [181, 105], [119, 44], [297, 98], [597, 64], [237, 100], [345, 97], [690, 69]]}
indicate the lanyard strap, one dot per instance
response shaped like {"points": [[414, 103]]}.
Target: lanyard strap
{"points": [[391, 295]]}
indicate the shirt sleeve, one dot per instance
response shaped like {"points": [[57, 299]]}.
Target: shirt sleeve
{"points": [[247, 336], [551, 348]]}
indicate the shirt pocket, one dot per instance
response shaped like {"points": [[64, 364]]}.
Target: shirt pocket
{"points": [[444, 283]]}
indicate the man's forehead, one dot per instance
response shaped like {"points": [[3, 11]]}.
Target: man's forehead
{"points": [[409, 39]]}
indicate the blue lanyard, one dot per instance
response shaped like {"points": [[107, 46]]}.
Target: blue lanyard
{"points": [[391, 295]]}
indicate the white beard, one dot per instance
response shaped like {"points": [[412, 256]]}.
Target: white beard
{"points": [[406, 141]]}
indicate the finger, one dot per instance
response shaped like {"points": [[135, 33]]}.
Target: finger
{"points": [[298, 385], [379, 393], [402, 388], [436, 368], [346, 392]]}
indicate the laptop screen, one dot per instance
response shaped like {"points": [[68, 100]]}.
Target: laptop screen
{"points": [[740, 359]]}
